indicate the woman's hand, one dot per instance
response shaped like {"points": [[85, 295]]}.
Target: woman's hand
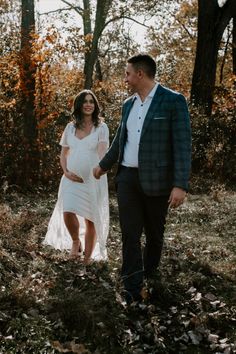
{"points": [[73, 177]]}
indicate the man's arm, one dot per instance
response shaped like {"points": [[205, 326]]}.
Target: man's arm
{"points": [[181, 140]]}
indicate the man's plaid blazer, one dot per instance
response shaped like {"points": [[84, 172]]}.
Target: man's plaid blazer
{"points": [[165, 144]]}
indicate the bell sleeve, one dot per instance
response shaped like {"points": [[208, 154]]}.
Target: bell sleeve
{"points": [[103, 140], [64, 138]]}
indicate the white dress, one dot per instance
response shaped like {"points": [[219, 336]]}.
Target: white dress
{"points": [[87, 200]]}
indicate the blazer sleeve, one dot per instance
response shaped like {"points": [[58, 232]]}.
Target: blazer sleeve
{"points": [[115, 153], [112, 154], [181, 139]]}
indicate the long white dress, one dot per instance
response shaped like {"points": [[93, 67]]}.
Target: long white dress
{"points": [[87, 200]]}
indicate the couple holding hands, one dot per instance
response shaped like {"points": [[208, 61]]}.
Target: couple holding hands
{"points": [[152, 146]]}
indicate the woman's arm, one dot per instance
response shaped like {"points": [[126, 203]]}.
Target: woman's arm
{"points": [[63, 156], [102, 149]]}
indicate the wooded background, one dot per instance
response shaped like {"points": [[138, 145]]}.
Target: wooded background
{"points": [[43, 67]]}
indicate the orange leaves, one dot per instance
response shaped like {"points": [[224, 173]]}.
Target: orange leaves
{"points": [[38, 57], [9, 81], [51, 38], [8, 105], [188, 9], [47, 120], [88, 38], [69, 347]]}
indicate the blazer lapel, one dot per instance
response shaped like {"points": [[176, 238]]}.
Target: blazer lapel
{"points": [[127, 109], [153, 108]]}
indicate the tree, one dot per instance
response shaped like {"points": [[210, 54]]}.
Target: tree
{"points": [[91, 37], [27, 85], [234, 45], [212, 21], [92, 54], [95, 21], [172, 41], [8, 29]]}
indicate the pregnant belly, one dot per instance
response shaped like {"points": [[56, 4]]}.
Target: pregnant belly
{"points": [[80, 165]]}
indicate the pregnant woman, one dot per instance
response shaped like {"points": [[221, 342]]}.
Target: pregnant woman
{"points": [[80, 220]]}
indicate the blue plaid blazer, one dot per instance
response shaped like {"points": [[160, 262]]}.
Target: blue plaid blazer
{"points": [[165, 143]]}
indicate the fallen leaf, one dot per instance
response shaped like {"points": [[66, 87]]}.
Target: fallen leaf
{"points": [[195, 338], [210, 297], [198, 297], [191, 290], [213, 338]]}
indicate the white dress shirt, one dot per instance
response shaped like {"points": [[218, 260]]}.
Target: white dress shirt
{"points": [[134, 128]]}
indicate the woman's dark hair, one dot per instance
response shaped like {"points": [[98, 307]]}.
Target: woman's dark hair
{"points": [[144, 62], [77, 108]]}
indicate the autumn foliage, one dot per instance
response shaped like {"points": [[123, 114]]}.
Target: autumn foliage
{"points": [[58, 70]]}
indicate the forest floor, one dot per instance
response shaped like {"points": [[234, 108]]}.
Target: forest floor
{"points": [[49, 304]]}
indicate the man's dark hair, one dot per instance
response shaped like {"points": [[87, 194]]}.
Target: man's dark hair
{"points": [[144, 62]]}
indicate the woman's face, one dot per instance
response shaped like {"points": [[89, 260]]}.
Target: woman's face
{"points": [[88, 105]]}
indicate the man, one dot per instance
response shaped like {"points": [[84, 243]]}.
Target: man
{"points": [[153, 149]]}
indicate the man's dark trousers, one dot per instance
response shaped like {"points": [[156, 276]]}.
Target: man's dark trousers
{"points": [[139, 212]]}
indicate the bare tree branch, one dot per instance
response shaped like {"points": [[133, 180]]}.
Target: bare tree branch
{"points": [[126, 17], [185, 28], [182, 24], [78, 9], [57, 10]]}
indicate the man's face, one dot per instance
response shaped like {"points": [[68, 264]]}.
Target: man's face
{"points": [[132, 77]]}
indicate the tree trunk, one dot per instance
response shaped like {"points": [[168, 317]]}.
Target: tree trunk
{"points": [[212, 21], [98, 71], [27, 79], [224, 56], [88, 38], [234, 45], [92, 43]]}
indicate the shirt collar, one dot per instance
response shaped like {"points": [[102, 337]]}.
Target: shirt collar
{"points": [[151, 93]]}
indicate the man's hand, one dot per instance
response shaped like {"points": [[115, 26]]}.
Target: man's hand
{"points": [[177, 197], [98, 172]]}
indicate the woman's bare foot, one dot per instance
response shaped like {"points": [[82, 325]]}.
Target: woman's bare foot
{"points": [[87, 261], [80, 252], [76, 249]]}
